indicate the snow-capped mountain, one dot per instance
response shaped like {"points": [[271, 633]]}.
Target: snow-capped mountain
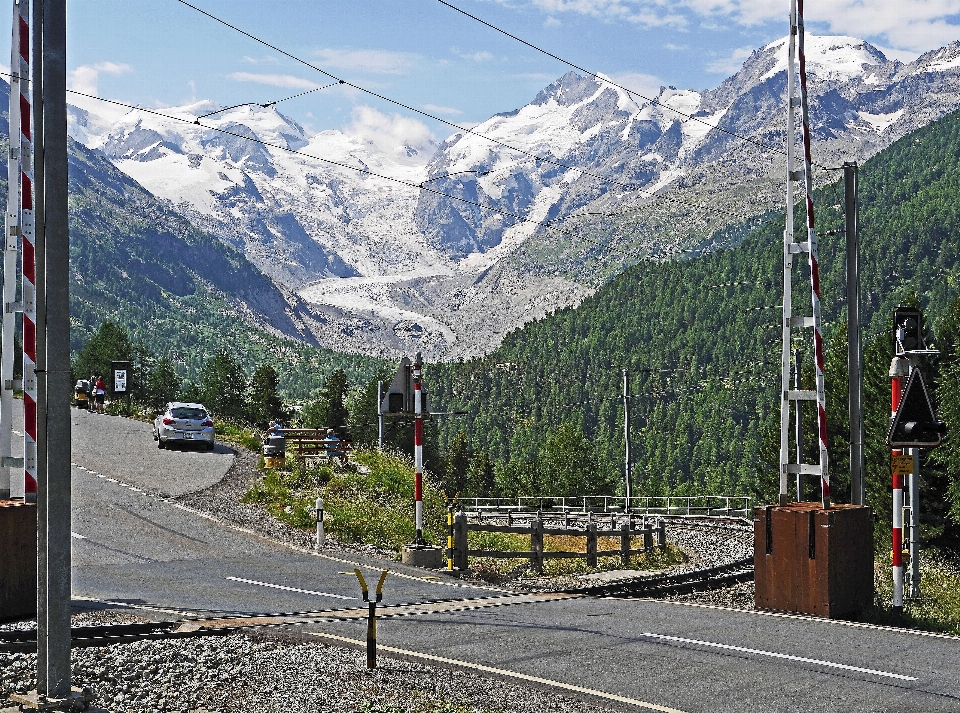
{"points": [[365, 223], [673, 168]]}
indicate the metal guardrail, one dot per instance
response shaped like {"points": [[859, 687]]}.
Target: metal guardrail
{"points": [[708, 505]]}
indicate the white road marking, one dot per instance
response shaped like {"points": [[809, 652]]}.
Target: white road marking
{"points": [[288, 589], [505, 673], [77, 536], [788, 657]]}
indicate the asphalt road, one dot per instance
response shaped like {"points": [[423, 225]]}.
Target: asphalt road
{"points": [[135, 547]]}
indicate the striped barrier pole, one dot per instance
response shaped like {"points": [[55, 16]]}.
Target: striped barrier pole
{"points": [[28, 264], [814, 262], [10, 252], [450, 538], [896, 391], [418, 448]]}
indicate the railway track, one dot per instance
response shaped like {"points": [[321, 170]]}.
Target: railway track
{"points": [[704, 579]]}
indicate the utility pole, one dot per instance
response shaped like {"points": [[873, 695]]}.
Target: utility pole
{"points": [[798, 426], [899, 368], [53, 616], [627, 479], [854, 347]]}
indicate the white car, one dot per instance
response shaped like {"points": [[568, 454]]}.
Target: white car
{"points": [[184, 423]]}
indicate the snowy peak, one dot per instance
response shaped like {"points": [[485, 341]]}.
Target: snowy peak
{"points": [[832, 58]]}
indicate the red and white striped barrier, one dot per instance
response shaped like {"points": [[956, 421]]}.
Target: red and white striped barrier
{"points": [[418, 447], [814, 262], [896, 391], [28, 260]]}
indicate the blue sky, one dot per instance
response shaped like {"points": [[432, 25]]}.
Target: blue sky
{"points": [[160, 52]]}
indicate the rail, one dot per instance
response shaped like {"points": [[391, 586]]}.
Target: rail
{"points": [[459, 529], [708, 505]]}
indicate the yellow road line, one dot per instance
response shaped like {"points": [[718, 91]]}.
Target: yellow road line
{"points": [[506, 673]]}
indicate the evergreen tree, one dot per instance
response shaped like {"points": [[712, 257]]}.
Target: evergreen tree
{"points": [[223, 387], [480, 481], [456, 466], [327, 409], [109, 343], [265, 404], [162, 384]]}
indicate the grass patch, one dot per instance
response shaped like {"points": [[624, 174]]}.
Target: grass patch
{"points": [[239, 435], [938, 606], [368, 501]]}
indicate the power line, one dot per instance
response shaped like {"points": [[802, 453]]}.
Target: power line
{"points": [[543, 159], [606, 80], [517, 218], [268, 104]]}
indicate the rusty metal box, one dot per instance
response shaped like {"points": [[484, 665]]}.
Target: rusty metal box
{"points": [[813, 561], [18, 559]]}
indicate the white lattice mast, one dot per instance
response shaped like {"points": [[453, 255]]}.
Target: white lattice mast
{"points": [[27, 263], [790, 248], [12, 230]]}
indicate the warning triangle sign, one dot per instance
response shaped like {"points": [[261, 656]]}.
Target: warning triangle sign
{"points": [[915, 425]]}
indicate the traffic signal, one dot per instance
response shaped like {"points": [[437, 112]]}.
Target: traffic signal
{"points": [[908, 323]]}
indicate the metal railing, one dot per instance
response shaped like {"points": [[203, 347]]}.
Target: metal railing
{"points": [[701, 505]]}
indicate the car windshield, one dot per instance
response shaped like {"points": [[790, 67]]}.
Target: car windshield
{"points": [[193, 414]]}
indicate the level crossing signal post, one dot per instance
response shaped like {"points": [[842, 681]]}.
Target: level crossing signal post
{"points": [[913, 426], [406, 397]]}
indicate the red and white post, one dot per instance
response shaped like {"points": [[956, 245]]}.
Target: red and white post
{"points": [[28, 265], [814, 262], [418, 446], [899, 368]]}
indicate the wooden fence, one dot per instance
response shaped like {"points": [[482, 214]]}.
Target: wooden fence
{"points": [[459, 527], [304, 443]]}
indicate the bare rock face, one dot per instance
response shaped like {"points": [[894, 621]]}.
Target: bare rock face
{"points": [[444, 248]]}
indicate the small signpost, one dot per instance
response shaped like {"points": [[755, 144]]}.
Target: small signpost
{"points": [[121, 377]]}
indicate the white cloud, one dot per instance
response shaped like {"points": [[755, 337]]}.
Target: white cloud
{"points": [[551, 21], [475, 56], [370, 61], [448, 110], [647, 13], [645, 85], [730, 64], [287, 81], [85, 78], [912, 26], [390, 132], [267, 59]]}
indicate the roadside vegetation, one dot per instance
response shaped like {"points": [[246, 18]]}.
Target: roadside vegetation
{"points": [[368, 501]]}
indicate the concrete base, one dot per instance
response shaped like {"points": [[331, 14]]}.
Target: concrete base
{"points": [[78, 699], [18, 559], [428, 557]]}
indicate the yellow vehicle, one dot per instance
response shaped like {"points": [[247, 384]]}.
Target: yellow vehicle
{"points": [[81, 394]]}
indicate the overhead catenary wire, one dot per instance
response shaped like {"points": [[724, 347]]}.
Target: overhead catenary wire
{"points": [[267, 104], [458, 127], [609, 81], [530, 155], [339, 164]]}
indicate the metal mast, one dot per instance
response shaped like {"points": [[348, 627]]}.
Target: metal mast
{"points": [[790, 248]]}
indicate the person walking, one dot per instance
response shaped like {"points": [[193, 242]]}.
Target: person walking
{"points": [[100, 393]]}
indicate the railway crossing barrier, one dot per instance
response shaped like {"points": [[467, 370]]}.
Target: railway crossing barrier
{"points": [[459, 527]]}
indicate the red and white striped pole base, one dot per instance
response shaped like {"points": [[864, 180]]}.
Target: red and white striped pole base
{"points": [[897, 372], [418, 448]]}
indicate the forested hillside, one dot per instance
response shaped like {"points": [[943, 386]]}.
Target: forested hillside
{"points": [[702, 340]]}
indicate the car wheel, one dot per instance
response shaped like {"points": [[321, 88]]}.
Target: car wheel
{"points": [[211, 446], [160, 444]]}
